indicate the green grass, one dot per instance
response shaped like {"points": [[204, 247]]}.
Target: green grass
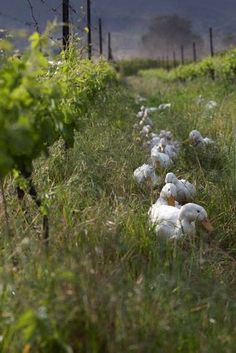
{"points": [[221, 66], [106, 284], [133, 66]]}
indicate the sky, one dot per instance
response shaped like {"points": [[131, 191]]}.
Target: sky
{"points": [[128, 20]]}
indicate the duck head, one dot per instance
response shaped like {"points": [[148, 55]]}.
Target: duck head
{"points": [[169, 136], [192, 212], [171, 178], [195, 137], [169, 193]]}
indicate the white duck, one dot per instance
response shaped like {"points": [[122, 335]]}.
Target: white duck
{"points": [[168, 149], [211, 105], [173, 223], [145, 121], [145, 131], [185, 190], [164, 106], [151, 110], [140, 99], [155, 140], [196, 139], [159, 159], [140, 114], [153, 134], [146, 173], [166, 134], [168, 196], [200, 100]]}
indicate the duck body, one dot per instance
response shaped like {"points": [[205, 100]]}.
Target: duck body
{"points": [[164, 106], [171, 151], [211, 105], [141, 112], [164, 218], [140, 99], [145, 131], [146, 173], [196, 139], [150, 110], [155, 140], [167, 148], [208, 141], [173, 223], [146, 121], [166, 134], [185, 190], [160, 159]]}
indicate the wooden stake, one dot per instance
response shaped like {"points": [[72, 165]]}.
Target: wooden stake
{"points": [[212, 71], [65, 26], [100, 37], [194, 52], [211, 41], [182, 54], [110, 56], [89, 29], [174, 59]]}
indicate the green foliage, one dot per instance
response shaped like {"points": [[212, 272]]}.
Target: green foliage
{"points": [[106, 284], [133, 66], [39, 103], [221, 66]]}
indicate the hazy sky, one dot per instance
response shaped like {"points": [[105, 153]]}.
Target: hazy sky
{"points": [[127, 19]]}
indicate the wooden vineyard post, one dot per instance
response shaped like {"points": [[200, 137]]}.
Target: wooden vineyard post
{"points": [[110, 56], [65, 33], [194, 52], [65, 26], [212, 72], [89, 29], [211, 42], [182, 54], [167, 63], [100, 37], [174, 59]]}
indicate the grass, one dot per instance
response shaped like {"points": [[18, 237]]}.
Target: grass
{"points": [[133, 66], [106, 284], [221, 66]]}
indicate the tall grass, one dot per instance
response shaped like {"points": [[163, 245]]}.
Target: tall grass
{"points": [[221, 66], [133, 66], [106, 284]]}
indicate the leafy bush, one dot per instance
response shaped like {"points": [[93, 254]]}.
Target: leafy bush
{"points": [[133, 66], [221, 66], [42, 100]]}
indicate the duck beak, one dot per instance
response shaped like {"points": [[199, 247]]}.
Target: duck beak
{"points": [[207, 225], [171, 201]]}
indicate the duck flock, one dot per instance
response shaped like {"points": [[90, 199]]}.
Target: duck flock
{"points": [[174, 214]]}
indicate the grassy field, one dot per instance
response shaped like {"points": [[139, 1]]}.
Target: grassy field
{"points": [[106, 284], [133, 66]]}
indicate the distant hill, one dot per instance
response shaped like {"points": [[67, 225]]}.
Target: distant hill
{"points": [[129, 19]]}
